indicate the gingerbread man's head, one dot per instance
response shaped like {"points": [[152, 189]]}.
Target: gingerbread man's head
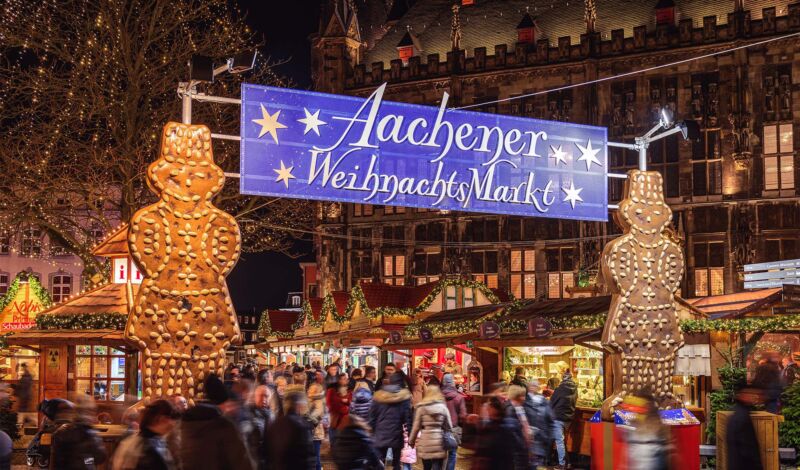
{"points": [[186, 171], [643, 207]]}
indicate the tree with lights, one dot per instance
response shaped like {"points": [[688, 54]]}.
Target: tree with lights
{"points": [[86, 86]]}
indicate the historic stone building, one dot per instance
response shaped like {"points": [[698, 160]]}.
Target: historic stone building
{"points": [[733, 191]]}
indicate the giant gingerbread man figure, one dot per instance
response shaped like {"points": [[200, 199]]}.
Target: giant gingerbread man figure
{"points": [[643, 269], [183, 319]]}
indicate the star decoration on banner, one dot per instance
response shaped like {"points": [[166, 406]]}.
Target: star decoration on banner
{"points": [[573, 194], [284, 174], [312, 122], [269, 123], [559, 154], [588, 154]]}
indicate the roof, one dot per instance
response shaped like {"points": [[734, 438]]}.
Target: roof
{"points": [[109, 298], [114, 244], [562, 308], [502, 295], [340, 299], [466, 313], [385, 295], [50, 337], [734, 305], [558, 336], [406, 40], [282, 321], [316, 307], [527, 22], [491, 22]]}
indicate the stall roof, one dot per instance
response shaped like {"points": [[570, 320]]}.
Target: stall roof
{"points": [[114, 244], [466, 313], [282, 321], [560, 337], [385, 295], [735, 305], [562, 308], [109, 298], [61, 337]]}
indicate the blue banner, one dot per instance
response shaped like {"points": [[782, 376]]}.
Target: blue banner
{"points": [[308, 145]]}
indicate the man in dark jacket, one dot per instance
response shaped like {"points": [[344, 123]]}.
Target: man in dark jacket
{"points": [[500, 445], [147, 449], [563, 404], [389, 413], [289, 440], [458, 411], [353, 449], [76, 445], [540, 416], [209, 440]]}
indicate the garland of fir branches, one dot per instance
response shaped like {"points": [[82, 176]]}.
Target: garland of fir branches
{"points": [[742, 325], [82, 321], [35, 286]]}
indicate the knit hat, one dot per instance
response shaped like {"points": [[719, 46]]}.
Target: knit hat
{"points": [[448, 381], [215, 390]]}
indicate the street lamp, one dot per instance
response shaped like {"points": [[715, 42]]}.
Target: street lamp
{"points": [[690, 130], [201, 69]]}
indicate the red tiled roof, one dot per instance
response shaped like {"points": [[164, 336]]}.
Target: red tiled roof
{"points": [[282, 320], [735, 304], [316, 307], [340, 299], [385, 295]]}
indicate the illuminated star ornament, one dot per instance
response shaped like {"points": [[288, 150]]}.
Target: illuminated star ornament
{"points": [[269, 124], [559, 154], [284, 174], [573, 194], [312, 122], [588, 154]]}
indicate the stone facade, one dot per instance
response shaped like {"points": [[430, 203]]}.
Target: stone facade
{"points": [[734, 192]]}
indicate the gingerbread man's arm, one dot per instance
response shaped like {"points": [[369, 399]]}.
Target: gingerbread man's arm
{"points": [[224, 241], [673, 265], [618, 264], [147, 243]]}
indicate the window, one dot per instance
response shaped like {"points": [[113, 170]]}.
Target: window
{"points": [[483, 265], [559, 105], [427, 267], [707, 164], [361, 267], [458, 297], [523, 275], [31, 244], [5, 243], [621, 161], [709, 262], [780, 249], [390, 210], [482, 230], [778, 216], [57, 248], [778, 157], [623, 106], [61, 286], [362, 210], [560, 275], [430, 232], [709, 220], [100, 372], [361, 238], [96, 233], [663, 157], [394, 235], [4, 282], [777, 93], [394, 269]]}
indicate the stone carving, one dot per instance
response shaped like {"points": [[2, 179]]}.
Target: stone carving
{"points": [[183, 319], [742, 135], [643, 269], [455, 29]]}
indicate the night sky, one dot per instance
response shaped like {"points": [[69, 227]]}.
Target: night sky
{"points": [[261, 280]]}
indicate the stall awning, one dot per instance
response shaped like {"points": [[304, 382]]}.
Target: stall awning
{"points": [[735, 305], [562, 308], [462, 314], [558, 338], [68, 337], [693, 359]]}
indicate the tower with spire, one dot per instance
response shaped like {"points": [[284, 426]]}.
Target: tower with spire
{"points": [[337, 47]]}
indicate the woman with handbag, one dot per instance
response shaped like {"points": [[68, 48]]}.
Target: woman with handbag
{"points": [[431, 432]]}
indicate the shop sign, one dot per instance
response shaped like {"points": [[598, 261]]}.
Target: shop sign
{"points": [[20, 312], [539, 328], [489, 330], [426, 335], [396, 337], [309, 145], [791, 293]]}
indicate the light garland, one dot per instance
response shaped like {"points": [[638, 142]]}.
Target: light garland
{"points": [[82, 321], [742, 325]]}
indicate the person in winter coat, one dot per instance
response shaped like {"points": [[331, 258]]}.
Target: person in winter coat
{"points": [[458, 411], [148, 450], [76, 445], [563, 404], [499, 444], [431, 419], [289, 440], [740, 437], [517, 412], [338, 400], [354, 449], [540, 416], [316, 412], [209, 440], [362, 400], [259, 409], [417, 387], [389, 413]]}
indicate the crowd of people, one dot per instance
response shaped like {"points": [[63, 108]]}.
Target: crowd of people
{"points": [[282, 418]]}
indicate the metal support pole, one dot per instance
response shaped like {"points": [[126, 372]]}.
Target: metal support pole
{"points": [[642, 147], [186, 111]]}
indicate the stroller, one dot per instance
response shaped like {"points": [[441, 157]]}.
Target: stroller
{"points": [[38, 451]]}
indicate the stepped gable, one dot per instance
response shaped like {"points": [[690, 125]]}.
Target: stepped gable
{"points": [[488, 23], [282, 321]]}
